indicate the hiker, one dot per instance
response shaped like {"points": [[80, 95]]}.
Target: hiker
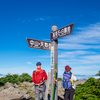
{"points": [[68, 84], [38, 77]]}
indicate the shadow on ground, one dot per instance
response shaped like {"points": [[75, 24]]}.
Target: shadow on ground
{"points": [[59, 98]]}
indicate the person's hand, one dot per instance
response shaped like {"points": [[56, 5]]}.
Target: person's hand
{"points": [[72, 74]]}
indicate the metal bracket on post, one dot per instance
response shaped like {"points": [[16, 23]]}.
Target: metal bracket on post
{"points": [[54, 61]]}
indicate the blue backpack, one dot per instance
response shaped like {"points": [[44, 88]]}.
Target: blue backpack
{"points": [[66, 83]]}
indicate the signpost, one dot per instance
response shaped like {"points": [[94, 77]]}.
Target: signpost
{"points": [[37, 44], [67, 30], [53, 47]]}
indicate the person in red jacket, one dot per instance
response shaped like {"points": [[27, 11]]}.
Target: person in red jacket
{"points": [[38, 77]]}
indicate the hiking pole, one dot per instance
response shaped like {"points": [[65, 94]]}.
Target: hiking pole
{"points": [[54, 82]]}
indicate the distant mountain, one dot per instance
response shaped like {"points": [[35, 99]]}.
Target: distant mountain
{"points": [[81, 77]]}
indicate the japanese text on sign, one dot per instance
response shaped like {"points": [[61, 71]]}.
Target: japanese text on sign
{"points": [[67, 30], [37, 44]]}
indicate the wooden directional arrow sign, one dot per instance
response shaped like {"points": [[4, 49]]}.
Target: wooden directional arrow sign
{"points": [[67, 30], [37, 44]]}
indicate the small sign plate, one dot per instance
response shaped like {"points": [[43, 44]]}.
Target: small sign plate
{"points": [[67, 30], [37, 44]]}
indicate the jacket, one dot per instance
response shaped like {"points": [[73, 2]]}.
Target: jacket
{"points": [[39, 77]]}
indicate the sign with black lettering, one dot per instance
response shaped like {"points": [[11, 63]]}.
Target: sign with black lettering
{"points": [[37, 44], [67, 30]]}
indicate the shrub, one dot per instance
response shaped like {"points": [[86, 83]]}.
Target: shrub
{"points": [[90, 90], [15, 78], [59, 79]]}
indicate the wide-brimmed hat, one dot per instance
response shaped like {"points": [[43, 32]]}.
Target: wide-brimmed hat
{"points": [[67, 68]]}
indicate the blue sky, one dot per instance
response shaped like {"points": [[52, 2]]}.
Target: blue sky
{"points": [[33, 19]]}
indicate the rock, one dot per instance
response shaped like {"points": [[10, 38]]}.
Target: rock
{"points": [[8, 84], [15, 85], [32, 84], [29, 88], [10, 90], [2, 88], [14, 94], [28, 84], [27, 96], [23, 92], [20, 88], [11, 97], [79, 82], [33, 88]]}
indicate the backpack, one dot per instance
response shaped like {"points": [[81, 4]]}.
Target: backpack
{"points": [[39, 76], [66, 83]]}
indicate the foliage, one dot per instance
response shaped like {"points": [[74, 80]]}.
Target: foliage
{"points": [[25, 77], [98, 74], [59, 79], [90, 90], [15, 78]]}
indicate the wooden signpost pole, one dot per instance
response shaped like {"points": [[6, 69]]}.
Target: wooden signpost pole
{"points": [[54, 61]]}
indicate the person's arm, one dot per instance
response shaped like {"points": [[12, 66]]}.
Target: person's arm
{"points": [[73, 77]]}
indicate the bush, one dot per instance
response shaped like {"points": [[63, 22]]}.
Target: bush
{"points": [[59, 79], [90, 90], [15, 78], [25, 77]]}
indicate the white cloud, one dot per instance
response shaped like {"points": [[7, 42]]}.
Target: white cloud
{"points": [[82, 49], [85, 38], [96, 77], [81, 70], [77, 46], [73, 53], [29, 63], [43, 18], [86, 70], [87, 67], [73, 60], [24, 20], [92, 57]]}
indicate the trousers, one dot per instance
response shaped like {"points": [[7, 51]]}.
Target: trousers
{"points": [[69, 93], [39, 89]]}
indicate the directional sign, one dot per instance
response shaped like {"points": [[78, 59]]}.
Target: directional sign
{"points": [[37, 44], [67, 30]]}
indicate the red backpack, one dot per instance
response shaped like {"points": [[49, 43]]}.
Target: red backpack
{"points": [[39, 76]]}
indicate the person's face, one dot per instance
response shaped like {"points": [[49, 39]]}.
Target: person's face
{"points": [[39, 66]]}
